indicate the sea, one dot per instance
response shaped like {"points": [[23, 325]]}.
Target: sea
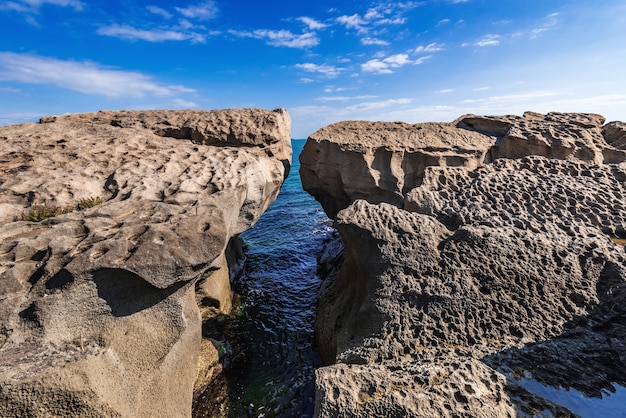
{"points": [[278, 295]]}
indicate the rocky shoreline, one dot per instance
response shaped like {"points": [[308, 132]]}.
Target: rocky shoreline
{"points": [[103, 308], [469, 257], [478, 253]]}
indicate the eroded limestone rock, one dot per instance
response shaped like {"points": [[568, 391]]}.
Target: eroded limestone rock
{"points": [[511, 268], [381, 161], [99, 306]]}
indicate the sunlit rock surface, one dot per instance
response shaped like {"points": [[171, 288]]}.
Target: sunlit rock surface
{"points": [[102, 307], [482, 273]]}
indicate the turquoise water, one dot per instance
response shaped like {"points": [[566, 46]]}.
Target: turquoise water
{"points": [[279, 293]]}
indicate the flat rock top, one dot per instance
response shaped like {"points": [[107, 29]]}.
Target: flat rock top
{"points": [[65, 159], [175, 186], [401, 136]]}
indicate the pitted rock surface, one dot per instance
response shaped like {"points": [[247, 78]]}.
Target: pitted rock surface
{"points": [[564, 136], [381, 161], [515, 266], [100, 304], [529, 193]]}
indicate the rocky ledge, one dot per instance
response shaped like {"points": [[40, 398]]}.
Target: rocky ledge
{"points": [[479, 254], [103, 299]]}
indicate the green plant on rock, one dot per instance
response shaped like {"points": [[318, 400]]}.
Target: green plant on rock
{"points": [[40, 212], [90, 202]]}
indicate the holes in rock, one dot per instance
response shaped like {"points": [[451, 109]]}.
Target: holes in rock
{"points": [[31, 314], [39, 255], [61, 280]]}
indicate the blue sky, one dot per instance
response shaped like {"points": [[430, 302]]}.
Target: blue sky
{"points": [[324, 61]]}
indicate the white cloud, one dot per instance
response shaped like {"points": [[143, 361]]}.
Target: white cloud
{"points": [[388, 14], [202, 11], [430, 48], [484, 88], [344, 98], [280, 37], [373, 41], [514, 98], [312, 23], [85, 77], [366, 106], [487, 40], [445, 91], [422, 60], [549, 22], [159, 11], [152, 35], [184, 104], [33, 6], [306, 80], [386, 65], [352, 22], [376, 66], [443, 22], [326, 70]]}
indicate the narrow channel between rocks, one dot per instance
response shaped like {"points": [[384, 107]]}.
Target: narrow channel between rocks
{"points": [[274, 372]]}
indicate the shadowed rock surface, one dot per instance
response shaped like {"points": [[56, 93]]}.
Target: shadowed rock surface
{"points": [[512, 267], [102, 308]]}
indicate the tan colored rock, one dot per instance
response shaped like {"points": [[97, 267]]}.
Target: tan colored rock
{"points": [[98, 306], [563, 136], [381, 161], [510, 268]]}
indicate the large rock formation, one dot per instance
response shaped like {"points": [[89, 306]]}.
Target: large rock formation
{"points": [[100, 305], [485, 273]]}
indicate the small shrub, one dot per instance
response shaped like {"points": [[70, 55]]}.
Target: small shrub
{"points": [[39, 213], [88, 203]]}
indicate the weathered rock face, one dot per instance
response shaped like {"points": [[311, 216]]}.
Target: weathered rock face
{"points": [[99, 306], [482, 274], [381, 162]]}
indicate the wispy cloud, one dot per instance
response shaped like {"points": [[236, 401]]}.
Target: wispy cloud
{"points": [[280, 37], [444, 91], [387, 14], [392, 62], [344, 98], [373, 41], [514, 98], [33, 6], [326, 70], [159, 11], [311, 23], [202, 11], [548, 23], [487, 40], [184, 104], [150, 35], [430, 48], [186, 27], [84, 77], [386, 65], [366, 106]]}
